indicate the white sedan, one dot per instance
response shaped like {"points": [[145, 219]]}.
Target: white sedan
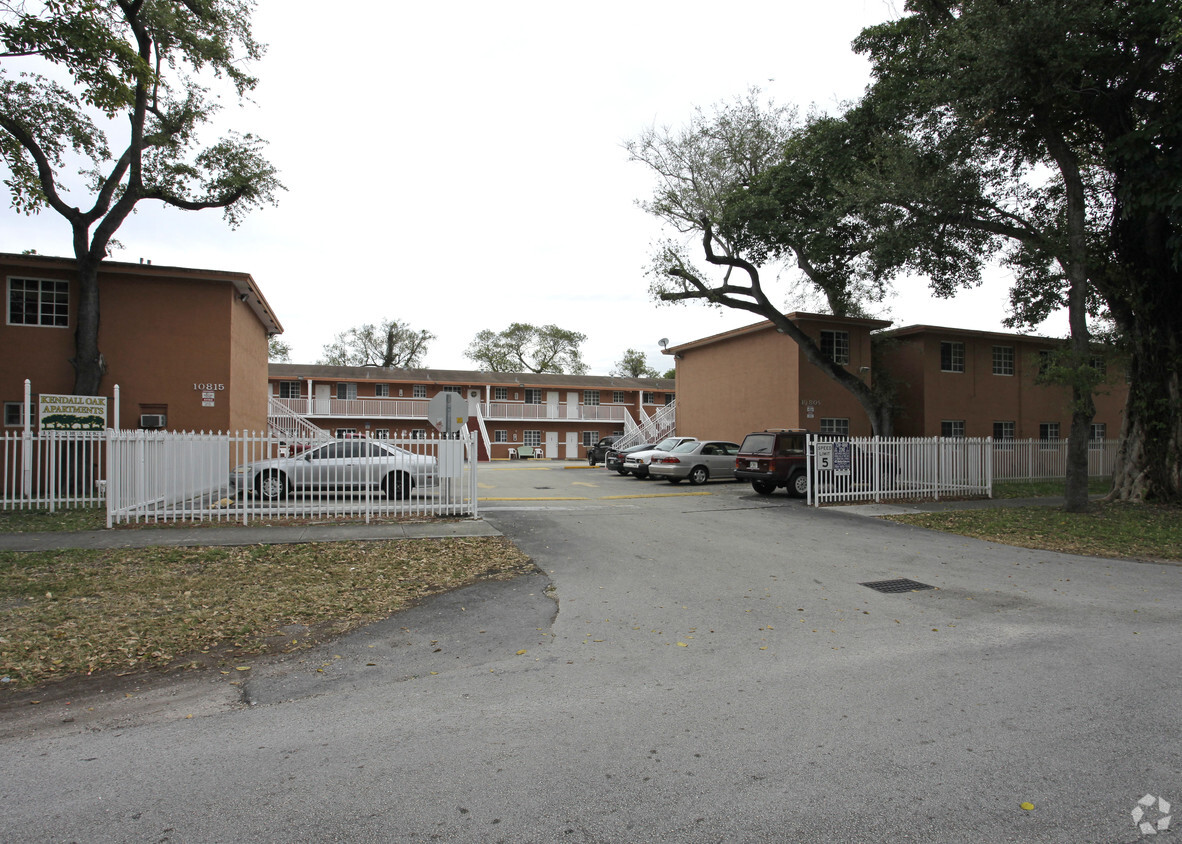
{"points": [[637, 462], [696, 461], [339, 466]]}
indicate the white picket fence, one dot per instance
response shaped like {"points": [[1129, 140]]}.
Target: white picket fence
{"points": [[884, 468], [52, 470], [246, 477]]}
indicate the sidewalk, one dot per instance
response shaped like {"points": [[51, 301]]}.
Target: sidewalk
{"points": [[238, 535]]}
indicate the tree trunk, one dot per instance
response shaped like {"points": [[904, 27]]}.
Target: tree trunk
{"points": [[1149, 462], [88, 363]]}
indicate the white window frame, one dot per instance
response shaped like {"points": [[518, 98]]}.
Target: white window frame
{"points": [[836, 346], [418, 391], [500, 436], [1003, 360], [956, 357], [1098, 433], [1048, 434], [381, 434], [533, 396], [590, 438], [531, 438], [418, 433], [618, 397], [835, 426], [952, 428], [381, 390], [58, 296], [648, 398], [1004, 431], [591, 397], [14, 410], [349, 388], [342, 433], [500, 394]]}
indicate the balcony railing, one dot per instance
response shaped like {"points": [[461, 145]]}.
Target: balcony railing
{"points": [[391, 408]]}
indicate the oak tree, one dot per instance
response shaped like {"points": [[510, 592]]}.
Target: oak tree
{"points": [[529, 348], [391, 344]]}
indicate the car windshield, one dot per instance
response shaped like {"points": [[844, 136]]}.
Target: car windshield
{"points": [[666, 445], [758, 443], [687, 446]]}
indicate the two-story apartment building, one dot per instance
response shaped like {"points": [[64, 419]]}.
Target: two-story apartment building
{"points": [[561, 414], [946, 382], [187, 347]]}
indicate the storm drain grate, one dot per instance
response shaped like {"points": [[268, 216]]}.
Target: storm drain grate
{"points": [[900, 585]]}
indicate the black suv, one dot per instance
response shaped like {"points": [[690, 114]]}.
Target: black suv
{"points": [[774, 458], [597, 452]]}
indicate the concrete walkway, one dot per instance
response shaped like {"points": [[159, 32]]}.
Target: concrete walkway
{"points": [[239, 535]]}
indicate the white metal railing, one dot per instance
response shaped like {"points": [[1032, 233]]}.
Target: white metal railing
{"points": [[521, 411], [52, 469], [372, 408], [1022, 460], [222, 477], [877, 468], [286, 423]]}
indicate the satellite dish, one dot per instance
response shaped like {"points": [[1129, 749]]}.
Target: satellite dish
{"points": [[663, 342]]}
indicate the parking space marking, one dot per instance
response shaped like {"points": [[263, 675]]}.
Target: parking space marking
{"points": [[659, 495], [536, 498]]}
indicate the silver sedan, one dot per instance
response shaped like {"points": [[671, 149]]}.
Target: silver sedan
{"points": [[339, 466], [697, 461]]}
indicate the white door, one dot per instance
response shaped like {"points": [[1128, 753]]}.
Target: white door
{"points": [[552, 444], [552, 406], [572, 445], [572, 405], [323, 399]]}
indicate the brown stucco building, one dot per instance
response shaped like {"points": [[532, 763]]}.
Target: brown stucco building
{"points": [[186, 344], [947, 382]]}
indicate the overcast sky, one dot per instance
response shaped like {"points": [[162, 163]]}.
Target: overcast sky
{"points": [[459, 166]]}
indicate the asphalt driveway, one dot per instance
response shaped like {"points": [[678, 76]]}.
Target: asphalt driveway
{"points": [[694, 668]]}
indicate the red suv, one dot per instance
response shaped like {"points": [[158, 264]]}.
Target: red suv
{"points": [[774, 458]]}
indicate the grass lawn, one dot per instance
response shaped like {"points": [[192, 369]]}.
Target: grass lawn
{"points": [[1045, 488], [1139, 531], [79, 612]]}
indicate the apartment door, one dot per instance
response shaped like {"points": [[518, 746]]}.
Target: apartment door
{"points": [[552, 411], [572, 405], [323, 399], [572, 445], [552, 444]]}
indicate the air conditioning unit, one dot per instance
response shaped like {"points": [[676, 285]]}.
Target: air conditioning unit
{"points": [[153, 420]]}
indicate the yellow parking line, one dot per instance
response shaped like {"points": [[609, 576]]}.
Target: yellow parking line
{"points": [[536, 498], [659, 495]]}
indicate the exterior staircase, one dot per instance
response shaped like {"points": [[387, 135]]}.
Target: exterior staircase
{"points": [[285, 423], [650, 429]]}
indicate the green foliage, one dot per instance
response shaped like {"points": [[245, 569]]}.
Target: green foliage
{"points": [[391, 344], [529, 348], [278, 351], [634, 364]]}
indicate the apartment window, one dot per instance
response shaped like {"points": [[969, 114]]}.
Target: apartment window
{"points": [[1099, 365], [1003, 430], [457, 390], [381, 434], [648, 398], [1003, 360], [590, 396], [590, 438], [1099, 432], [952, 428], [341, 433], [1048, 430], [951, 356], [289, 389], [533, 438], [618, 397], [669, 398], [14, 414], [418, 391], [382, 390], [533, 396], [346, 390], [501, 394], [1044, 363], [500, 436], [418, 433], [835, 427], [836, 346], [35, 301]]}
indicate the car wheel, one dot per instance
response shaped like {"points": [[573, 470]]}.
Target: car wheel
{"points": [[699, 475], [396, 485], [622, 472], [675, 480], [590, 459], [798, 485], [763, 487], [271, 486]]}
